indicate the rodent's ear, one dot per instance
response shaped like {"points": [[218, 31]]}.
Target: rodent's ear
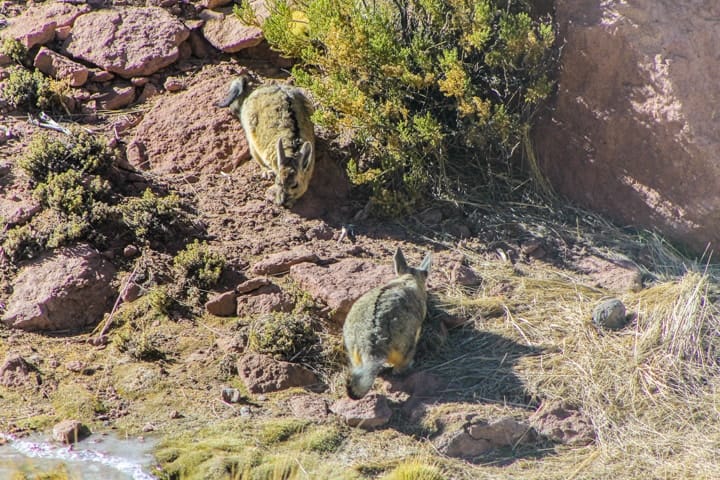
{"points": [[426, 263], [401, 266], [282, 159], [306, 157], [236, 89]]}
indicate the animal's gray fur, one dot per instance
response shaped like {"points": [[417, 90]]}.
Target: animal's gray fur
{"points": [[280, 134], [384, 325]]}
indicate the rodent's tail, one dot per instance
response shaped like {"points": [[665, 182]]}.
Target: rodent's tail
{"points": [[361, 379]]}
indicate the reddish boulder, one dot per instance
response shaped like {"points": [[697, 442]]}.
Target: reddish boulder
{"points": [[263, 374], [60, 68], [227, 33], [129, 41], [477, 437], [371, 411], [340, 284], [65, 289], [14, 371], [37, 25], [282, 261]]}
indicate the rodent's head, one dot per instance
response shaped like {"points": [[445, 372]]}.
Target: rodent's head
{"points": [[420, 273], [294, 173]]}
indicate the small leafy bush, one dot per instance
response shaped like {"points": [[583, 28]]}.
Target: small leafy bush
{"points": [[14, 49], [82, 151], [283, 336], [151, 215], [198, 266], [437, 94], [31, 90]]}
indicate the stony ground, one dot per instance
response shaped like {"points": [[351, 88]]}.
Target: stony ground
{"points": [[199, 376]]}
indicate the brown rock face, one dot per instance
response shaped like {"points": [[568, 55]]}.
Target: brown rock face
{"points": [[282, 261], [369, 412], [68, 288], [633, 131], [14, 371], [266, 299], [227, 33], [128, 41], [60, 68], [340, 284], [564, 424], [187, 132], [263, 374], [37, 25], [476, 438]]}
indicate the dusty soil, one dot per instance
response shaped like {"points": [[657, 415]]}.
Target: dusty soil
{"points": [[476, 341]]}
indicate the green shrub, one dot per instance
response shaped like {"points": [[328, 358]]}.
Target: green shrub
{"points": [[82, 151], [14, 49], [284, 336], [31, 90], [71, 192], [197, 266], [437, 94], [152, 216]]}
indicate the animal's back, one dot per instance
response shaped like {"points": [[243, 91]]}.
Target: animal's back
{"points": [[275, 112], [384, 324]]}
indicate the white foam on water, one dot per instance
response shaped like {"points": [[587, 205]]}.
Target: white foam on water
{"points": [[123, 456]]}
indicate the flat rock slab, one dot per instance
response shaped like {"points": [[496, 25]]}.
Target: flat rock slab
{"points": [[313, 407], [371, 411], [129, 41], [266, 299], [213, 139], [224, 31], [61, 68], [37, 25], [563, 424], [282, 261], [339, 285], [478, 437], [264, 374], [65, 289]]}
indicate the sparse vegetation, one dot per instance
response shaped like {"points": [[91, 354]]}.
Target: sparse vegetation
{"points": [[434, 93], [14, 49], [32, 91], [284, 336], [152, 216], [198, 266]]}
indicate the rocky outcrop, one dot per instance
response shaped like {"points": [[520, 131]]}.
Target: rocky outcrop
{"points": [[282, 261], [371, 411], [213, 139], [14, 371], [60, 68], [227, 33], [340, 284], [266, 299], [633, 131], [129, 41], [563, 424], [37, 25], [65, 289], [263, 374], [70, 431]]}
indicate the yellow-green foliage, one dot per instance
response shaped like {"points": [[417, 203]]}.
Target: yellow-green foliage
{"points": [[81, 151], [74, 401], [13, 49], [58, 473], [414, 470], [31, 90], [152, 216], [427, 88], [198, 266], [284, 336]]}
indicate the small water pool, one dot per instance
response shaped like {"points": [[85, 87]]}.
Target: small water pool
{"points": [[99, 457]]}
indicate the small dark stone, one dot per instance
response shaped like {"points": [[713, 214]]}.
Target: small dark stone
{"points": [[610, 314]]}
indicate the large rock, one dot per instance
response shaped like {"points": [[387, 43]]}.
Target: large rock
{"points": [[633, 131], [282, 261], [14, 371], [263, 374], [340, 284], [563, 424], [478, 437], [227, 33], [37, 25], [371, 411], [212, 138], [70, 431], [61, 68], [129, 41], [66, 289]]}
